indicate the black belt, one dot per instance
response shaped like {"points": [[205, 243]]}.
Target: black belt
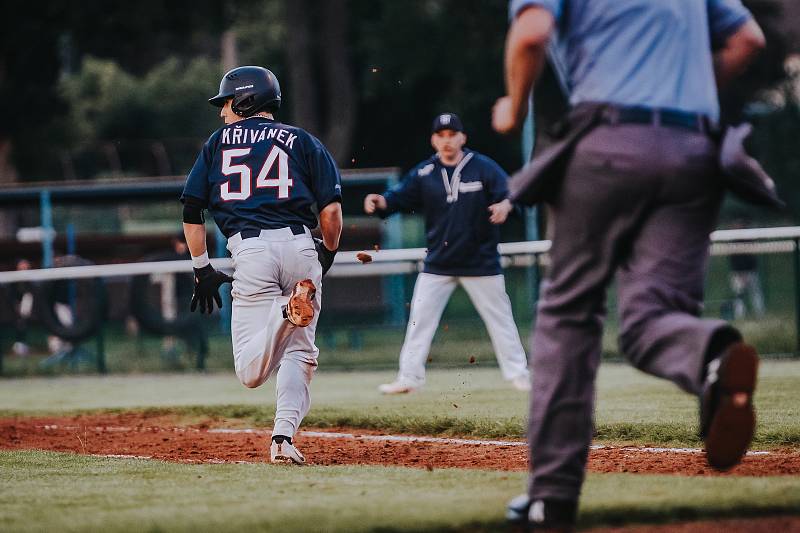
{"points": [[658, 117], [251, 233]]}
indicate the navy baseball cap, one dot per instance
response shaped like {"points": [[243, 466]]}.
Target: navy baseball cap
{"points": [[447, 121]]}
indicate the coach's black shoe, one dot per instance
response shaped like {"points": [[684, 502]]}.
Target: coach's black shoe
{"points": [[727, 415], [517, 509], [542, 515]]}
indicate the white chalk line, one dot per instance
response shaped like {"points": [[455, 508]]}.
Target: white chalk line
{"points": [[381, 438], [146, 457], [120, 456]]}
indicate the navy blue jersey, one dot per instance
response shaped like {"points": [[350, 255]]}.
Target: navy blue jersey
{"points": [[260, 174], [454, 200]]}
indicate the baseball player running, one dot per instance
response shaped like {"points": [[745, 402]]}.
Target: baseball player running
{"points": [[260, 179], [463, 196]]}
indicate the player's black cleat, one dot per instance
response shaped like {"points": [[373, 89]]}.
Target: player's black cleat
{"points": [[206, 288], [727, 415]]}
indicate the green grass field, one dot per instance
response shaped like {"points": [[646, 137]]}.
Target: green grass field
{"points": [[62, 492], [92, 494]]}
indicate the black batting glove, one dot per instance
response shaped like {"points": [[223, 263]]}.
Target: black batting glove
{"points": [[206, 288], [324, 255]]}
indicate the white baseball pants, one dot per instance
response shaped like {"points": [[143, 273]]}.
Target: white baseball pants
{"points": [[265, 271], [488, 295]]}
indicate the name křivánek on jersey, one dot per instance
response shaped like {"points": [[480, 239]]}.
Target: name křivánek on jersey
{"points": [[239, 135]]}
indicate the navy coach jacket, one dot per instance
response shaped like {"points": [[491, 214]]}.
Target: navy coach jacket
{"points": [[454, 201]]}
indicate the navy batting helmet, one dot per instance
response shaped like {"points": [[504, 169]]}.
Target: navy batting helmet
{"points": [[253, 89]]}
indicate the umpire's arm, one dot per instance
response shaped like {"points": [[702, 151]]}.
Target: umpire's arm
{"points": [[526, 47], [737, 52]]}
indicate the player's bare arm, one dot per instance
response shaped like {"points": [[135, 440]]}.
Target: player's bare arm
{"points": [[526, 46], [739, 50], [498, 213], [195, 238], [374, 202], [330, 224]]}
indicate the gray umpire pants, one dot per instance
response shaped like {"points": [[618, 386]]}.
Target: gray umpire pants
{"points": [[638, 201]]}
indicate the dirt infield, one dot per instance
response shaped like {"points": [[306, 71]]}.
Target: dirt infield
{"points": [[156, 437]]}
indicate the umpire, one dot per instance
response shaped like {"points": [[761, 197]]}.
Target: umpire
{"points": [[633, 189]]}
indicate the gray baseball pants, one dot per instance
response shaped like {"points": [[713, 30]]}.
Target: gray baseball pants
{"points": [[265, 271], [638, 201], [488, 295]]}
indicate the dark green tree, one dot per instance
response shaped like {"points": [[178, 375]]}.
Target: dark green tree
{"points": [[368, 78], [39, 45], [418, 59], [29, 70]]}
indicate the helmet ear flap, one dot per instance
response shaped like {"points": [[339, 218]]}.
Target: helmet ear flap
{"points": [[239, 106], [253, 103], [245, 106]]}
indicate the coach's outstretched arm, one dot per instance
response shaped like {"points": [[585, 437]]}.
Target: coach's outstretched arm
{"points": [[526, 48], [406, 197]]}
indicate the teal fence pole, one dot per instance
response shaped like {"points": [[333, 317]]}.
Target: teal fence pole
{"points": [[46, 223], [797, 296], [101, 350], [531, 213], [393, 285], [202, 350], [225, 312]]}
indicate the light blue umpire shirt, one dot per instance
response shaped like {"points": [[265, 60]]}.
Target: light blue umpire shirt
{"points": [[651, 53]]}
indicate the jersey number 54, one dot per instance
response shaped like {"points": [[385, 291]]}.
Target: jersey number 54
{"points": [[283, 182]]}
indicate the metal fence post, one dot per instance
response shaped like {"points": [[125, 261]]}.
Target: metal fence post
{"points": [[101, 350], [531, 213], [227, 310], [796, 255], [202, 349], [46, 218], [394, 285]]}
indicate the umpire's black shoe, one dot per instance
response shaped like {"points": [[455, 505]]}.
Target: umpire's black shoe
{"points": [[727, 416], [542, 515]]}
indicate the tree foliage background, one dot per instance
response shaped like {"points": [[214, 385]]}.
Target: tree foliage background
{"points": [[92, 88]]}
